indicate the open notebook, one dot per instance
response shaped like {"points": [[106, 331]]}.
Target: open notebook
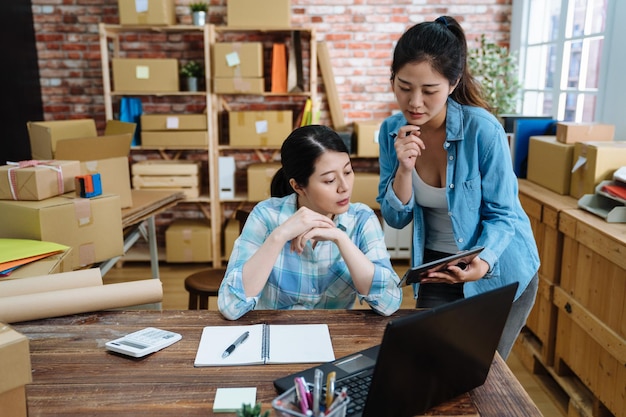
{"points": [[276, 343]]}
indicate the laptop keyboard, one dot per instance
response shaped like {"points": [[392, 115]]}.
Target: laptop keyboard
{"points": [[358, 386]]}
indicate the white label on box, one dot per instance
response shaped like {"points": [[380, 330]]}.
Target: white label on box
{"points": [[376, 136], [232, 59], [171, 122], [261, 126], [581, 161], [142, 72], [141, 6]]}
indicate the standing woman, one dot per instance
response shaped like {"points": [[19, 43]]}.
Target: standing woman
{"points": [[308, 247], [445, 164]]}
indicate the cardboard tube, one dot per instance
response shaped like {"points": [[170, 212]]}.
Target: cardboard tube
{"points": [[79, 300], [44, 283]]}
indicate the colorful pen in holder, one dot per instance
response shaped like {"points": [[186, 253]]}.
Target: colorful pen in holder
{"points": [[291, 404]]}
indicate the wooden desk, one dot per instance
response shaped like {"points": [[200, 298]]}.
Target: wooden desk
{"points": [[73, 374]]}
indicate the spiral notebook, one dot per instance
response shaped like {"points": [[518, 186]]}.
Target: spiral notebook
{"points": [[275, 343]]}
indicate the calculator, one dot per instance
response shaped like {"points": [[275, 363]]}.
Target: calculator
{"points": [[143, 342]]}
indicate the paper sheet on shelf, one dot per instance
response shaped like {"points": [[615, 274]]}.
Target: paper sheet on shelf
{"points": [[54, 282], [79, 300]]}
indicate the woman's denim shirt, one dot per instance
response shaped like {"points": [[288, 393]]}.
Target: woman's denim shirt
{"points": [[482, 194]]}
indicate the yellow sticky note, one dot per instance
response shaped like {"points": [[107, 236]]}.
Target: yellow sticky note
{"points": [[229, 400]]}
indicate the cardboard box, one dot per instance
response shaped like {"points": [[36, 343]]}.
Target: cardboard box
{"points": [[91, 227], [258, 14], [569, 132], [45, 135], [231, 233], [147, 12], [145, 75], [107, 154], [37, 182], [550, 163], [177, 139], [13, 402], [260, 179], [188, 241], [16, 371], [365, 189], [238, 60], [367, 138], [593, 163], [169, 122], [238, 85], [259, 128]]}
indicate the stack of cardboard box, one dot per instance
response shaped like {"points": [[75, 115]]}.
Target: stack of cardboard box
{"points": [[553, 161], [174, 131], [575, 161], [238, 68], [91, 227]]}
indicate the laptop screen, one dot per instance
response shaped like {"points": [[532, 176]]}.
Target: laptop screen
{"points": [[425, 358]]}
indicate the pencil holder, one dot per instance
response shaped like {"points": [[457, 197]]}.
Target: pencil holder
{"points": [[286, 405]]}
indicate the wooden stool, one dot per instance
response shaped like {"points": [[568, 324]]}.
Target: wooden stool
{"points": [[202, 285]]}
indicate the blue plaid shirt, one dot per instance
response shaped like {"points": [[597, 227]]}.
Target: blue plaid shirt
{"points": [[316, 279]]}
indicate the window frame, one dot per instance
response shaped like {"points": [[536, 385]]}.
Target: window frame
{"points": [[611, 91]]}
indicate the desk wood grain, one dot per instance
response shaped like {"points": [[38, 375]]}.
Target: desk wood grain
{"points": [[74, 375]]}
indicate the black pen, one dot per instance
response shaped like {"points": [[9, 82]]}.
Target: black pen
{"points": [[236, 343]]}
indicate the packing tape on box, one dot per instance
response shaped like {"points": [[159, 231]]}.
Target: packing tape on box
{"points": [[233, 60], [43, 305], [43, 283], [82, 211], [87, 254], [241, 85]]}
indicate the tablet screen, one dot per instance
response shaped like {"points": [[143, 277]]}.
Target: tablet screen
{"points": [[415, 275]]}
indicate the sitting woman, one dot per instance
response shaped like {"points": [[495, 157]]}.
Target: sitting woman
{"points": [[308, 247]]}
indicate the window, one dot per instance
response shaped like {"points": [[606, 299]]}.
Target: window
{"points": [[561, 45]]}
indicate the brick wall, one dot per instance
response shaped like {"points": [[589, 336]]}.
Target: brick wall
{"points": [[360, 35]]}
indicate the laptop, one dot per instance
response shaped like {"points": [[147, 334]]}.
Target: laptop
{"points": [[424, 359]]}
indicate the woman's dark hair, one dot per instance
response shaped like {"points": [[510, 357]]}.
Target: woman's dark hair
{"points": [[299, 154], [443, 45]]}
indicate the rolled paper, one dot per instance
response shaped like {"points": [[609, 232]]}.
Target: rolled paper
{"points": [[53, 282], [79, 300]]}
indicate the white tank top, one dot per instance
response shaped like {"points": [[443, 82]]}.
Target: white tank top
{"points": [[433, 200]]}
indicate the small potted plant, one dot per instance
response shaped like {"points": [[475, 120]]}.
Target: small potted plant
{"points": [[198, 13], [192, 72], [248, 410]]}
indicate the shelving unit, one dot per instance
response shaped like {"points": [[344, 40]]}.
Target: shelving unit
{"points": [[214, 103], [218, 34]]}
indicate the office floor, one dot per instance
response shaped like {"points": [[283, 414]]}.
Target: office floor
{"points": [[175, 298]]}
